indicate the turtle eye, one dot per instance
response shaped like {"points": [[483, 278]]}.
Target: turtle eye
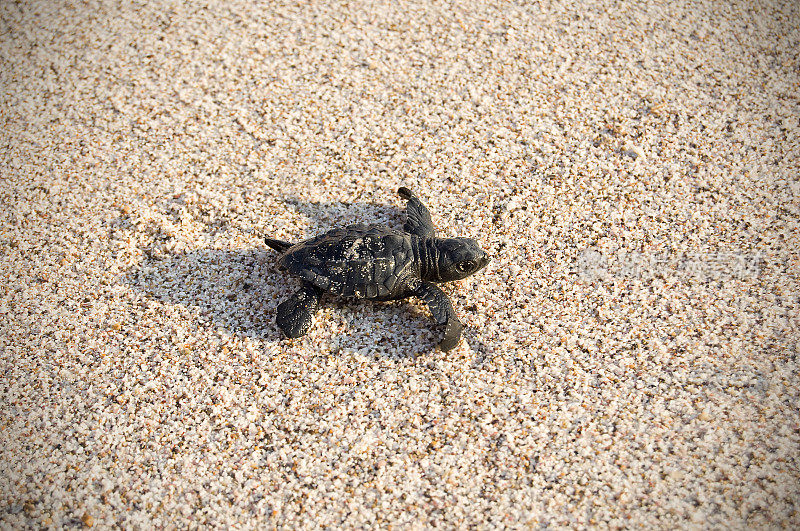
{"points": [[465, 266]]}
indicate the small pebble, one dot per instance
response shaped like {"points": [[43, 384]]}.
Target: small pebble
{"points": [[87, 519]]}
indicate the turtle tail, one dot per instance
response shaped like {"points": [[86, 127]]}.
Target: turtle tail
{"points": [[278, 245]]}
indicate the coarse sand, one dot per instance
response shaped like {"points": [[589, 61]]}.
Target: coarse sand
{"points": [[630, 354]]}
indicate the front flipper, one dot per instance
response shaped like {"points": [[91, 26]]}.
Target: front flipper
{"points": [[419, 218], [442, 310], [295, 313]]}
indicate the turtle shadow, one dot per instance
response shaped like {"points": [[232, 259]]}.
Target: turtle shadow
{"points": [[235, 290], [321, 216], [239, 291]]}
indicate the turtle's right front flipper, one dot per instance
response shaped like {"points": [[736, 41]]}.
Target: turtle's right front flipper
{"points": [[419, 218], [442, 310], [295, 313]]}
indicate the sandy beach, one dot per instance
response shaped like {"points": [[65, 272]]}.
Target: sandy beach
{"points": [[630, 354]]}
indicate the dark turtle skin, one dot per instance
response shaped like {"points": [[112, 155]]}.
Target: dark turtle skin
{"points": [[375, 262]]}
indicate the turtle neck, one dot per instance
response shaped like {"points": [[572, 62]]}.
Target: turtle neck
{"points": [[426, 254]]}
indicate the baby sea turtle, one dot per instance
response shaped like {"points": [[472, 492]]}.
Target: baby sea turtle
{"points": [[381, 264]]}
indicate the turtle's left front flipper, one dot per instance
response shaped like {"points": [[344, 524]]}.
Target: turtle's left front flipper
{"points": [[419, 217], [443, 313]]}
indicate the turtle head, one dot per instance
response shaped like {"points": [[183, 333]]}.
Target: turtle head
{"points": [[458, 258]]}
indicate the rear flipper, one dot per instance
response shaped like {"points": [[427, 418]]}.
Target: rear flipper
{"points": [[278, 245], [295, 313], [442, 310]]}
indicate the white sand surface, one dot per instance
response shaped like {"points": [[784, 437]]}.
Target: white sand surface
{"points": [[630, 354]]}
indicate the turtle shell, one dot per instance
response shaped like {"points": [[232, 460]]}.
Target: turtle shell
{"points": [[356, 261]]}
